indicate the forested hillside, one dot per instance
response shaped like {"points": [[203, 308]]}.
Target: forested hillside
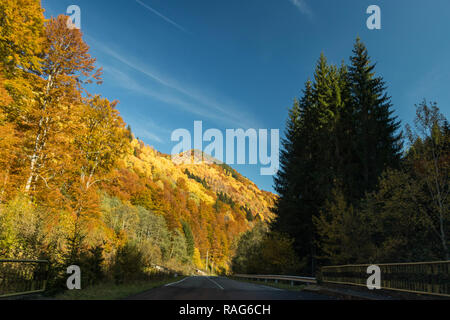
{"points": [[76, 187]]}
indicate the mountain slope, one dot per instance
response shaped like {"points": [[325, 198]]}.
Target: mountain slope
{"points": [[215, 200]]}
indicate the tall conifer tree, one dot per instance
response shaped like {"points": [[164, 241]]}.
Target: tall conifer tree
{"points": [[340, 137], [377, 144]]}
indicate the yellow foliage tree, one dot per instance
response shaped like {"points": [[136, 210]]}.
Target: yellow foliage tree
{"points": [[21, 30]]}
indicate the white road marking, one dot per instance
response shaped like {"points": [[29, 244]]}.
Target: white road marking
{"points": [[215, 283], [259, 285], [273, 288], [169, 284]]}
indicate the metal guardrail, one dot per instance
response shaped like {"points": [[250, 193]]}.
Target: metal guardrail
{"points": [[431, 278], [20, 277], [277, 278]]}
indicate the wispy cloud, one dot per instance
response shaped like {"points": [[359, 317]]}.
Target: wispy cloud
{"points": [[129, 83], [171, 92], [144, 134], [143, 127], [146, 6], [303, 7]]}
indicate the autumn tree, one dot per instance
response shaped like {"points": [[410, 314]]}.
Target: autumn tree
{"points": [[344, 233], [100, 142], [429, 158], [21, 30], [262, 252], [21, 39], [67, 66], [406, 218]]}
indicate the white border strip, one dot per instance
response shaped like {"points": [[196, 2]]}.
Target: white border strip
{"points": [[221, 288], [269, 287], [169, 284]]}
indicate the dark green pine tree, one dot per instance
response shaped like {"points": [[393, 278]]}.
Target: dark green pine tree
{"points": [[284, 184], [190, 243], [292, 216], [307, 161], [344, 165], [320, 123], [377, 142], [340, 136]]}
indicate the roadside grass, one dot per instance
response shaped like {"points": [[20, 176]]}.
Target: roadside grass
{"points": [[112, 291], [279, 285]]}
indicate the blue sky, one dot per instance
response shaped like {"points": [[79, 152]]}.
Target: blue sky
{"points": [[240, 63]]}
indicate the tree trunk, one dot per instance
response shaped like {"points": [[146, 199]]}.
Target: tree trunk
{"points": [[439, 201], [5, 181], [39, 141]]}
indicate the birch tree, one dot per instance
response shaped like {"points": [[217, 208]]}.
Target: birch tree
{"points": [[67, 66], [430, 156]]}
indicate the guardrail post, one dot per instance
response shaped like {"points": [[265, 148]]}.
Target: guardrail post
{"points": [[47, 270]]}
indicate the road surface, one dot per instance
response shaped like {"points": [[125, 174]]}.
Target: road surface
{"points": [[220, 288]]}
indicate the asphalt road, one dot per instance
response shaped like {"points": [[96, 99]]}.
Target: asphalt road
{"points": [[220, 288]]}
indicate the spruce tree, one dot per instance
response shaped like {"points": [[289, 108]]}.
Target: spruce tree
{"points": [[294, 183], [340, 137], [377, 144], [190, 243]]}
